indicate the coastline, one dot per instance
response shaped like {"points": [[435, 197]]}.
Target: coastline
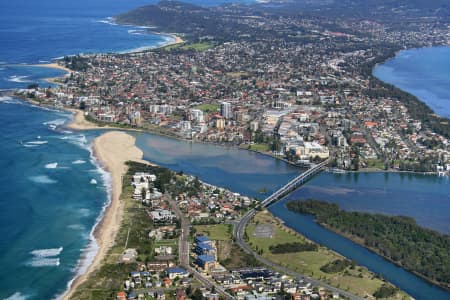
{"points": [[360, 242], [435, 113], [52, 66], [112, 149]]}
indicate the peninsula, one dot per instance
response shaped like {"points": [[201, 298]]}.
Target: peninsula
{"points": [[397, 238]]}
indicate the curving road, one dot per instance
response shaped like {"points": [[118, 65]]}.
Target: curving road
{"points": [[239, 231]]}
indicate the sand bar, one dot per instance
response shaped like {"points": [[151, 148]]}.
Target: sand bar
{"points": [[79, 122], [112, 149], [52, 66]]}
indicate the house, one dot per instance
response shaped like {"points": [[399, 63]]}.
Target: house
{"points": [[173, 273], [167, 282], [121, 296], [202, 239], [206, 262], [206, 249], [162, 216], [129, 256], [163, 250], [181, 294]]}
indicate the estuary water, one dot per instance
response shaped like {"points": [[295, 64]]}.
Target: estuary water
{"points": [[425, 198], [53, 192], [424, 72]]}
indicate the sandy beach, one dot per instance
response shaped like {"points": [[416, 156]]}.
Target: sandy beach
{"points": [[178, 40], [53, 66], [112, 149], [79, 122]]}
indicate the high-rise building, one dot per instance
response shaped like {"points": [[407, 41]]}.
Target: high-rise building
{"points": [[225, 110]]}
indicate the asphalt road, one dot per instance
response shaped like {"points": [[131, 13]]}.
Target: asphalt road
{"points": [[183, 252], [239, 237]]}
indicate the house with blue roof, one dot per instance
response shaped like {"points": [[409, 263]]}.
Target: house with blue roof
{"points": [[202, 239], [205, 249], [206, 262]]}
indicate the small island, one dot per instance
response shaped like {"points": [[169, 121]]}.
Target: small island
{"points": [[397, 238]]}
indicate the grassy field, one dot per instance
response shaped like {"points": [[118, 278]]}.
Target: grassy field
{"points": [[357, 279], [195, 46], [208, 108], [259, 147], [217, 232], [375, 163]]}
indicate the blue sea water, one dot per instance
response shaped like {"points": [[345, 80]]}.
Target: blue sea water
{"points": [[50, 201], [424, 72], [52, 192], [52, 195]]}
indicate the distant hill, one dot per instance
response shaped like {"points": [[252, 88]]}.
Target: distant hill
{"points": [[388, 10], [176, 16]]}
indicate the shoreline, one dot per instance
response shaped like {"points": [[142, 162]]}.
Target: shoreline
{"points": [[393, 57], [355, 240], [52, 66], [112, 150]]}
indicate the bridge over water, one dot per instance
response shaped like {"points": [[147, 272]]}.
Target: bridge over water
{"points": [[285, 190]]}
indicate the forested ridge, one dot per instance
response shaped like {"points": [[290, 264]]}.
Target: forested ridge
{"points": [[397, 238]]}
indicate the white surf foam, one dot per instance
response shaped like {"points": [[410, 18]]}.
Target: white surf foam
{"points": [[9, 100], [55, 123], [45, 257], [44, 262], [79, 162], [17, 296], [18, 79], [36, 142], [51, 252], [136, 32], [78, 140], [42, 179], [109, 21], [91, 250], [51, 165]]}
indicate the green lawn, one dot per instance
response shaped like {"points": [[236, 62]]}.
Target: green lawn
{"points": [[358, 280], [259, 147], [217, 232], [186, 46], [375, 163], [208, 108]]}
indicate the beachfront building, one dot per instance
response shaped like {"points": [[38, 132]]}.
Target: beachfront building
{"points": [[141, 182], [162, 216]]}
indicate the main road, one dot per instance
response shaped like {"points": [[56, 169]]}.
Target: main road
{"points": [[183, 251], [239, 231]]}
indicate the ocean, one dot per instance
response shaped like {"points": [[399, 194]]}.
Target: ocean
{"points": [[422, 72], [52, 195], [53, 191]]}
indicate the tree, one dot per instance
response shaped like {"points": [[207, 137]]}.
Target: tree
{"points": [[197, 295]]}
